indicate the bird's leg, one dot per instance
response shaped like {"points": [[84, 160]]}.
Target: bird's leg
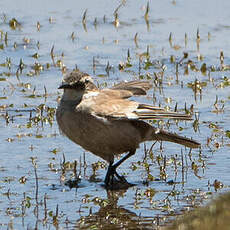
{"points": [[112, 169], [109, 174], [131, 152]]}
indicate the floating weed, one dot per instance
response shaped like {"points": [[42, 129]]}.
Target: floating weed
{"points": [[227, 133], [2, 34], [7, 63], [217, 184], [197, 87], [219, 106], [95, 23], [196, 122], [144, 54], [116, 22], [59, 63], [135, 40], [26, 41], [72, 36], [55, 151], [124, 65], [172, 59], [98, 165], [198, 39], [221, 57], [75, 179], [14, 24], [84, 20], [95, 167], [185, 40], [147, 11], [22, 180], [146, 16], [36, 56], [150, 193], [148, 64], [200, 57], [7, 179], [170, 39], [203, 69], [37, 67], [225, 82], [3, 98], [38, 26]]}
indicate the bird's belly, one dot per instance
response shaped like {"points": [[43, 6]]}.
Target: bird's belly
{"points": [[98, 135]]}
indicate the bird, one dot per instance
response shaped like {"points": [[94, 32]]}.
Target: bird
{"points": [[107, 123]]}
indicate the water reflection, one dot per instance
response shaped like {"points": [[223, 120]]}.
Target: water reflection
{"points": [[40, 38], [111, 215]]}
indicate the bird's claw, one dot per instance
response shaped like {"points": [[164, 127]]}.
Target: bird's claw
{"points": [[114, 181]]}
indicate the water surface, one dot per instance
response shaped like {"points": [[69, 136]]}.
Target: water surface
{"points": [[28, 97]]}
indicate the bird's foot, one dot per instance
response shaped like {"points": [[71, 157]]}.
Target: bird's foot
{"points": [[113, 181], [110, 175]]}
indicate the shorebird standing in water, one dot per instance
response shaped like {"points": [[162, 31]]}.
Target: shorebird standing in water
{"points": [[106, 123]]}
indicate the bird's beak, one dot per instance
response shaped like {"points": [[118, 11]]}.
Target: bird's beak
{"points": [[61, 87], [64, 86]]}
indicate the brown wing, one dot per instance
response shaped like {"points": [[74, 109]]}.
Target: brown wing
{"points": [[106, 104], [119, 94], [151, 112], [135, 87], [147, 111]]}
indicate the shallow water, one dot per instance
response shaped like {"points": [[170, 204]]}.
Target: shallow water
{"points": [[30, 140]]}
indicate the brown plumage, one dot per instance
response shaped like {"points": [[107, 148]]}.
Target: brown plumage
{"points": [[106, 123]]}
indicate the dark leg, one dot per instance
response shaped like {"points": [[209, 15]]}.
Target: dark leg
{"points": [[109, 174], [112, 169]]}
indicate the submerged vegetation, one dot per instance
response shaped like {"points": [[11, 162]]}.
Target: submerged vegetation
{"points": [[48, 182]]}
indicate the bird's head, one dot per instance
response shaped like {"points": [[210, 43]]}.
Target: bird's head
{"points": [[75, 84], [77, 80]]}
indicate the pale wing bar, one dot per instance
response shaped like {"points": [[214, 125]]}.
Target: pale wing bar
{"points": [[151, 112]]}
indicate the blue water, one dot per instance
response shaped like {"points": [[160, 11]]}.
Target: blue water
{"points": [[107, 43]]}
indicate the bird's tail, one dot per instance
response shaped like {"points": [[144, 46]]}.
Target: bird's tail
{"points": [[162, 135]]}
